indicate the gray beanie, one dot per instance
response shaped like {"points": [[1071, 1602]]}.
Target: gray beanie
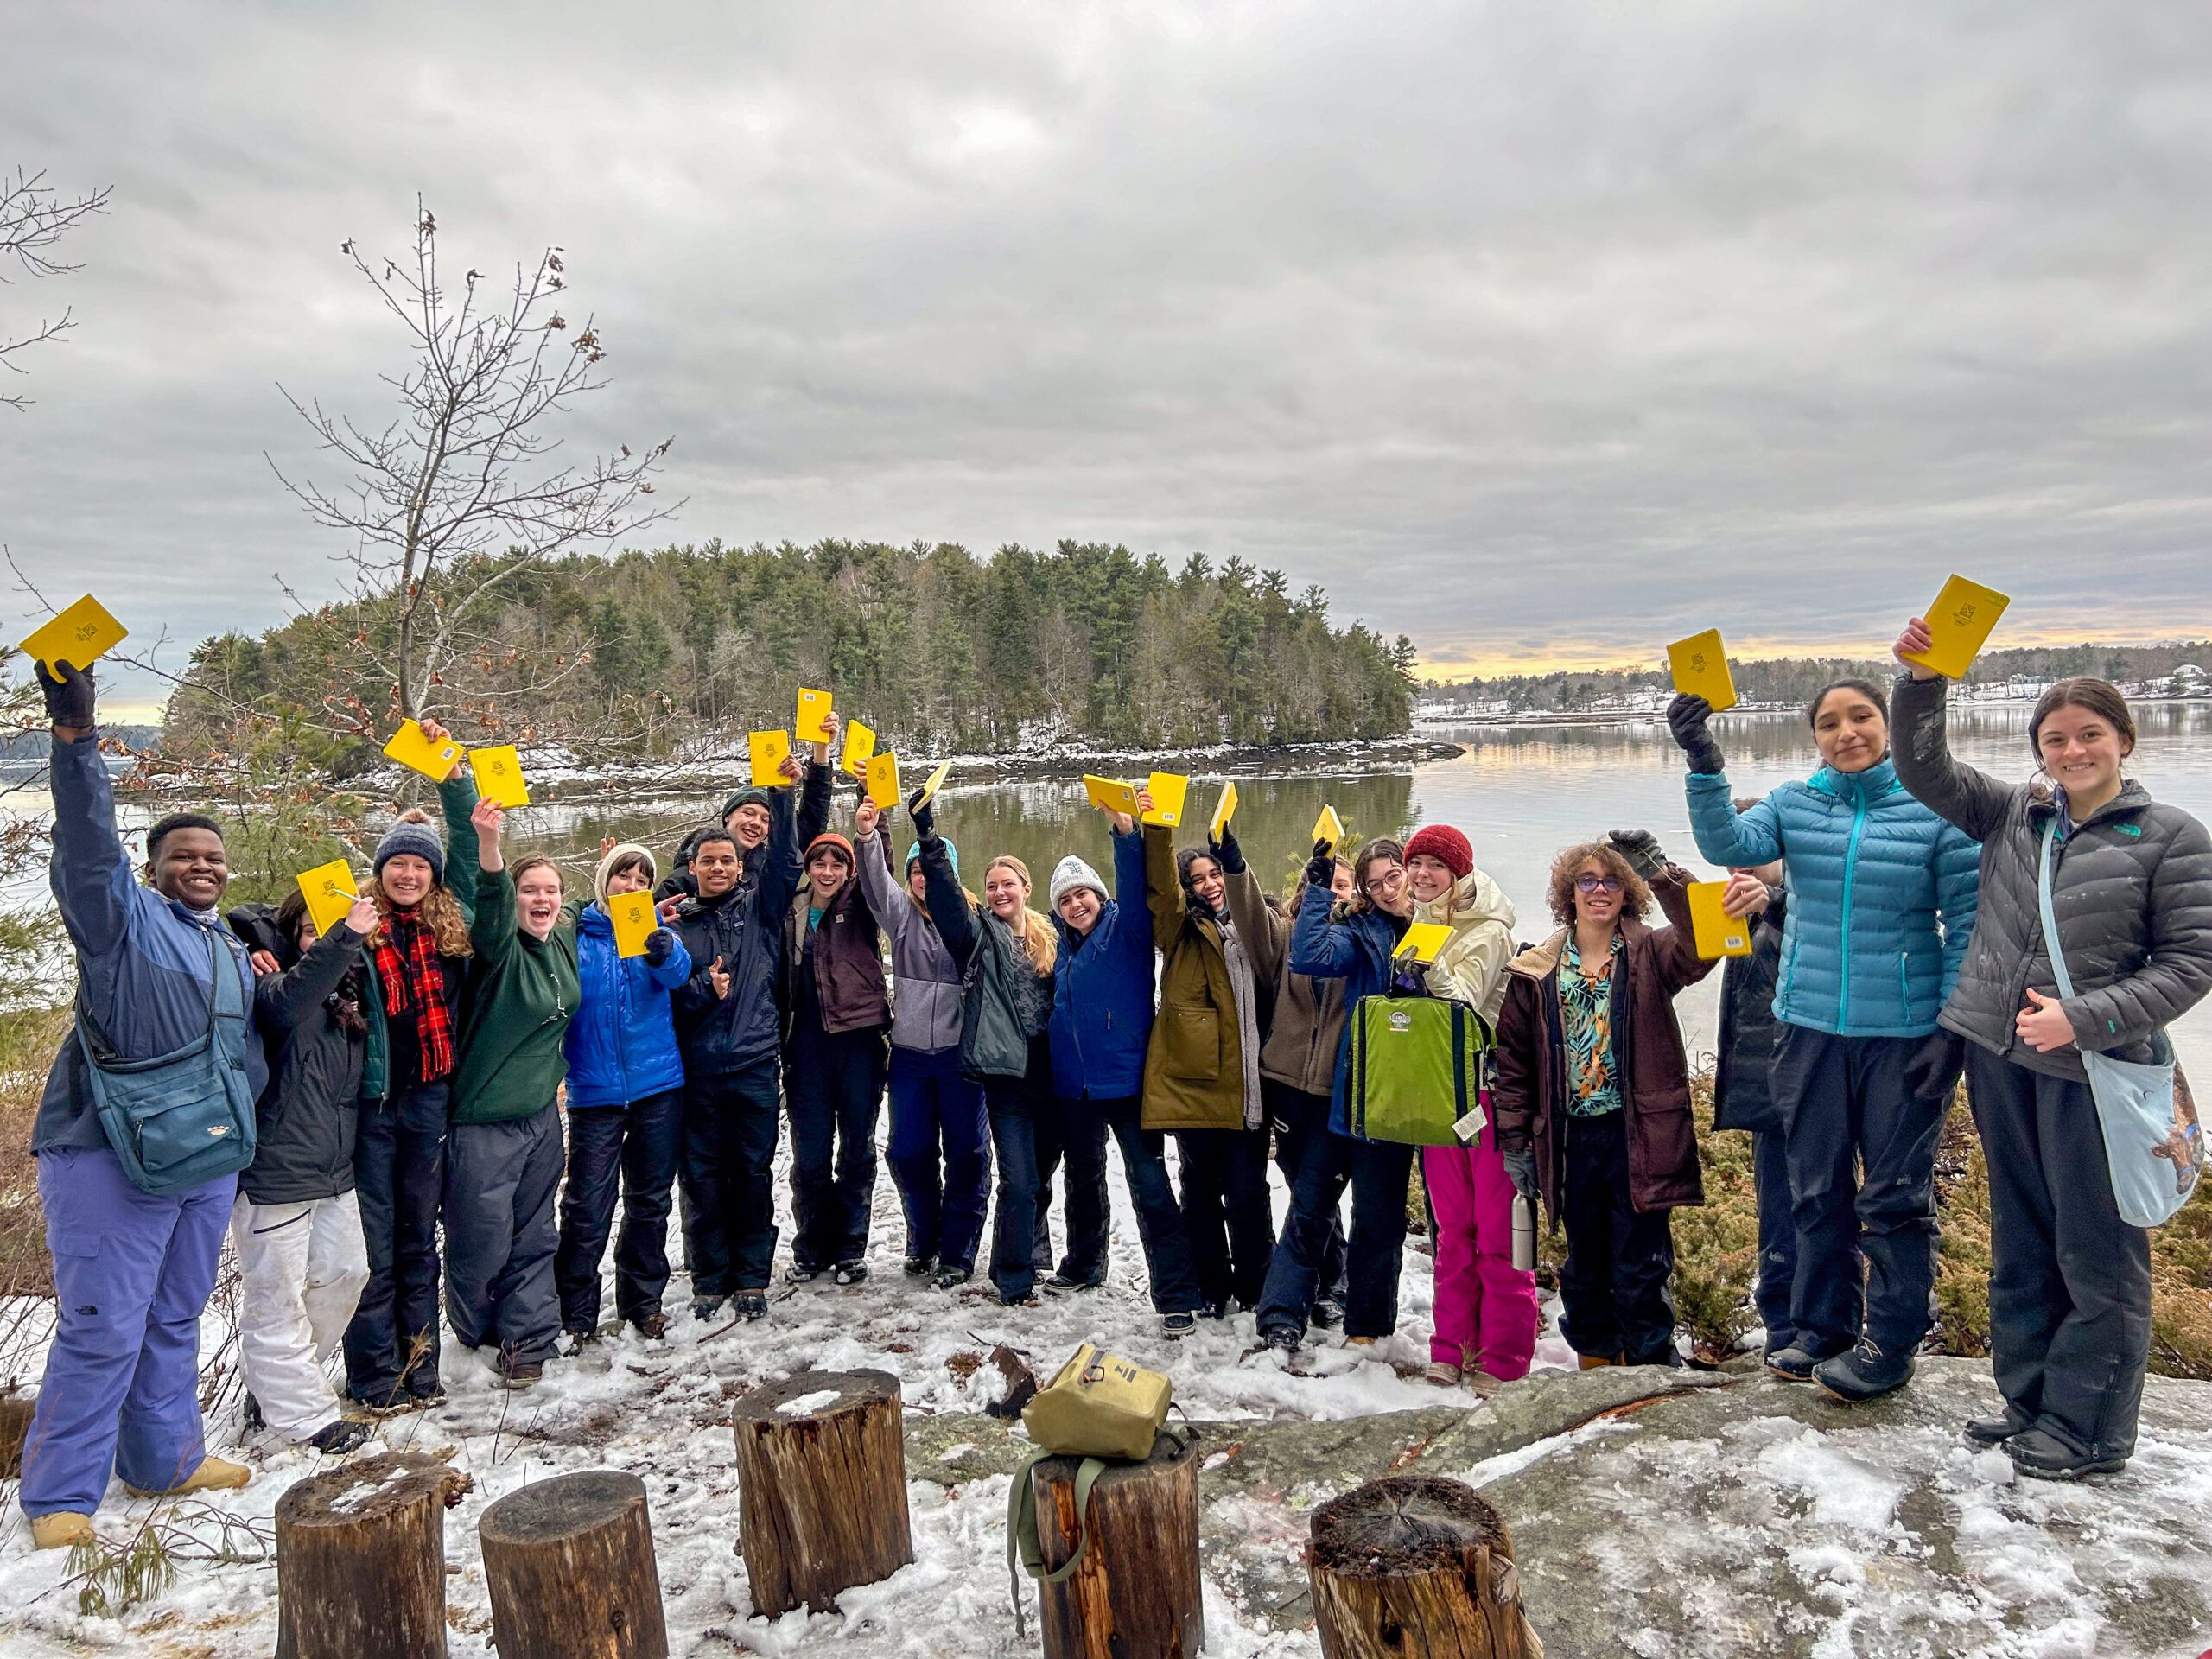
{"points": [[1072, 873], [414, 836]]}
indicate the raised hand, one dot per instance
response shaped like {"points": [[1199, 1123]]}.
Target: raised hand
{"points": [[1916, 637], [362, 918], [1321, 868], [864, 819], [434, 732], [1226, 853], [1641, 848], [1686, 719], [828, 746], [789, 771], [667, 908], [1744, 895], [487, 816], [923, 815], [69, 702]]}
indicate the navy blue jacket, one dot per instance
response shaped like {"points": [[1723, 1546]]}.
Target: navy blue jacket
{"points": [[1355, 946], [142, 959], [1102, 991], [745, 928], [621, 1044]]}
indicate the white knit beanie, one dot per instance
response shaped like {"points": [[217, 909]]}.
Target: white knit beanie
{"points": [[1072, 873], [617, 853]]}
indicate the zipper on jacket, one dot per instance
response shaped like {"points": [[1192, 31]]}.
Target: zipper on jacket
{"points": [[1850, 871]]}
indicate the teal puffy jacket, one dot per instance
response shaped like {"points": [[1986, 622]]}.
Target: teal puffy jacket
{"points": [[1872, 872]]}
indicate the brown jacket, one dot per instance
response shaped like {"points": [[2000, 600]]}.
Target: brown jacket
{"points": [[848, 958], [1194, 1066], [1308, 1027], [1648, 1059]]}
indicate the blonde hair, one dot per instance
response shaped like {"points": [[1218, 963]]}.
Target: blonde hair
{"points": [[440, 911], [1037, 935]]}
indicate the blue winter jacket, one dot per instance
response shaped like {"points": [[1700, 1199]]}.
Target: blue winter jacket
{"points": [[142, 959], [1327, 942], [621, 1044], [1871, 873], [1102, 991]]}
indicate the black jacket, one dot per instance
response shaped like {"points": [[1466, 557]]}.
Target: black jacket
{"points": [[306, 1116], [744, 928], [1743, 1091]]}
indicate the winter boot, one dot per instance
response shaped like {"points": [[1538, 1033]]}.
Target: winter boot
{"points": [[2044, 1456], [213, 1475], [1865, 1373], [60, 1530]]}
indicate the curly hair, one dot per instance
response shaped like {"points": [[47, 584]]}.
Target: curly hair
{"points": [[440, 911], [1381, 850], [1636, 893]]}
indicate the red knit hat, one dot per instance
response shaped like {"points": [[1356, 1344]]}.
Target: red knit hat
{"points": [[831, 838], [1445, 845]]}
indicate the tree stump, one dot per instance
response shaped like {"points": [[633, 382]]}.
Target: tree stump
{"points": [[1136, 1590], [16, 1411], [362, 1560], [1412, 1564], [822, 1493], [569, 1564]]}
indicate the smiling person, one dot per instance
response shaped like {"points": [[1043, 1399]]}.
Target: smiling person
{"points": [[132, 1268], [2131, 885], [415, 971], [625, 1096], [1594, 1092], [1881, 905]]}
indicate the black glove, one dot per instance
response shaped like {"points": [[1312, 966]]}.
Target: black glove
{"points": [[1641, 848], [69, 700], [660, 945], [924, 814], [1521, 1169], [1685, 718], [1226, 853], [1932, 1072], [1321, 868]]}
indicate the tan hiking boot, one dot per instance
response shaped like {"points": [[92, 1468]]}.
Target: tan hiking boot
{"points": [[61, 1530], [1443, 1373], [1483, 1383], [213, 1475]]}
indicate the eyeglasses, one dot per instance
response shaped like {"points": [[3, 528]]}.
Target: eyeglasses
{"points": [[1388, 881], [1597, 884]]}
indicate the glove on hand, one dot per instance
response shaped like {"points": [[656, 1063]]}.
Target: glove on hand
{"points": [[1932, 1072], [1521, 1169], [660, 945], [70, 701], [924, 814], [1641, 848], [1226, 853], [1321, 868], [1685, 718]]}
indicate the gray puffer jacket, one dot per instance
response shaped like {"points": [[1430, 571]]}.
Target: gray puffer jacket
{"points": [[2131, 886], [926, 988]]}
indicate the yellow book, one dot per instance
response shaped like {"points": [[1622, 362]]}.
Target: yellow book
{"points": [[79, 637], [1168, 790], [436, 761], [860, 744], [1961, 620], [634, 918], [1717, 933], [330, 891], [770, 750], [1329, 828], [1111, 795], [812, 721], [1700, 665], [498, 775], [1223, 810], [1423, 939], [935, 781], [883, 780]]}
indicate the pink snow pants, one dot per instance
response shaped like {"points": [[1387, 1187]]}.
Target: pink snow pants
{"points": [[1486, 1312]]}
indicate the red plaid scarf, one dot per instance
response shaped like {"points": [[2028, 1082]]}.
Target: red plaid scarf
{"points": [[407, 963]]}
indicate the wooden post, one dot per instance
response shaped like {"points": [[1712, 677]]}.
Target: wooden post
{"points": [[362, 1560], [570, 1565], [1412, 1564], [16, 1411], [1136, 1590], [822, 1487]]}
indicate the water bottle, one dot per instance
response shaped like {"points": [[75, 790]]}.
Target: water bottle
{"points": [[1524, 1235]]}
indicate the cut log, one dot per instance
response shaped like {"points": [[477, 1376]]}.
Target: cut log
{"points": [[822, 1487], [16, 1411], [362, 1560], [570, 1565], [1412, 1564], [1136, 1589]]}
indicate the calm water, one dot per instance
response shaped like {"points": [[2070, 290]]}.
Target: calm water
{"points": [[1519, 794]]}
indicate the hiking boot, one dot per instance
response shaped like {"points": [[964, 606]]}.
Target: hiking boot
{"points": [[750, 1305], [62, 1529], [799, 1275], [1865, 1373], [1216, 1311], [705, 1308], [1443, 1373], [213, 1475], [1483, 1383], [1027, 1298], [2043, 1456], [251, 1419], [521, 1374], [920, 1267], [579, 1340], [1359, 1342], [1059, 1284], [1176, 1326], [1987, 1433], [1596, 1361], [1327, 1314], [652, 1326], [1791, 1364], [851, 1273], [951, 1278], [335, 1440], [1281, 1337]]}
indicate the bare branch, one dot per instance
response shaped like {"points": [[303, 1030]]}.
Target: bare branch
{"points": [[34, 217]]}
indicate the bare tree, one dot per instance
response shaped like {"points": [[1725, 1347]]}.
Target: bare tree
{"points": [[34, 217], [463, 489]]}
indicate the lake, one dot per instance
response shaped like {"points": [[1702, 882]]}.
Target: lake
{"points": [[1519, 793]]}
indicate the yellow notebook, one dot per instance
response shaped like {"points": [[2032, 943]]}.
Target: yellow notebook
{"points": [[498, 775], [1111, 795], [1168, 790], [1718, 933], [860, 743], [330, 891], [935, 781], [770, 750], [634, 918], [1961, 620], [813, 720], [1329, 828], [1223, 810], [883, 780], [436, 761], [1700, 665], [1423, 939], [79, 637]]}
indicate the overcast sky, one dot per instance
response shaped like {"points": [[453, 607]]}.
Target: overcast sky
{"points": [[1535, 332]]}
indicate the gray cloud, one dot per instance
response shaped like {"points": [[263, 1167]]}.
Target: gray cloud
{"points": [[1539, 330]]}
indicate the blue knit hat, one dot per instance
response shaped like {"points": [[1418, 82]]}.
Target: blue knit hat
{"points": [[951, 853], [417, 836]]}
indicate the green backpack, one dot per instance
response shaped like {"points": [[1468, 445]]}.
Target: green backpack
{"points": [[1416, 1070]]}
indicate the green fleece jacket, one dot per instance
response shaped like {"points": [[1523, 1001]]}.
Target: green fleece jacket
{"points": [[522, 993]]}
